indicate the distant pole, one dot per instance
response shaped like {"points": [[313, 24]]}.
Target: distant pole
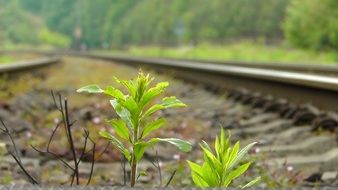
{"points": [[77, 32]]}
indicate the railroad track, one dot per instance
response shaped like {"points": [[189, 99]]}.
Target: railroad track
{"points": [[28, 65], [298, 88], [287, 81], [292, 115]]}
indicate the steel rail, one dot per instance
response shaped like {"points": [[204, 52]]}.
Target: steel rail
{"points": [[298, 87], [27, 65], [285, 66], [310, 80], [327, 69]]}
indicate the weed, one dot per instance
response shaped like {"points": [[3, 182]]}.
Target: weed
{"points": [[219, 169], [135, 124]]}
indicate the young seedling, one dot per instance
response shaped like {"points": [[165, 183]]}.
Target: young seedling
{"points": [[134, 124], [219, 169]]}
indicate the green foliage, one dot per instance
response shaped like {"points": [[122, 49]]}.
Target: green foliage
{"points": [[312, 23], [52, 38], [16, 25], [123, 22], [185, 21], [241, 51], [221, 167], [134, 123], [5, 59], [120, 23]]}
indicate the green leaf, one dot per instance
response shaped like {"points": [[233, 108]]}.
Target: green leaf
{"points": [[252, 182], [234, 174], [143, 173], [198, 180], [241, 155], [180, 144], [113, 139], [210, 158], [139, 149], [152, 110], [130, 85], [143, 81], [116, 93], [116, 143], [233, 153], [133, 109], [210, 175], [153, 92], [150, 127], [205, 145], [196, 174], [218, 148], [224, 142], [172, 101], [167, 102], [195, 167], [120, 128], [122, 112], [90, 89]]}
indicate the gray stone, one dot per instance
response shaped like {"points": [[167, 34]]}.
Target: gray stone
{"points": [[329, 175]]}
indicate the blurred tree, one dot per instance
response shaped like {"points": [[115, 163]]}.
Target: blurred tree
{"points": [[17, 25], [59, 15], [33, 6], [105, 23], [54, 39], [312, 23], [93, 15]]}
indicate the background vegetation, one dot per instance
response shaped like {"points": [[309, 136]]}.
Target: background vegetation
{"points": [[308, 24]]}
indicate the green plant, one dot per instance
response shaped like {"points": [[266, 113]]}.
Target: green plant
{"points": [[53, 38], [219, 169], [135, 123]]}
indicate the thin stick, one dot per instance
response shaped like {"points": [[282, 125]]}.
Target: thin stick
{"points": [[6, 131], [51, 136], [93, 162], [31, 179], [71, 142], [170, 179], [54, 155], [156, 164]]}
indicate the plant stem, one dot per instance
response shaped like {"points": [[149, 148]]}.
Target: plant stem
{"points": [[134, 161], [133, 172]]}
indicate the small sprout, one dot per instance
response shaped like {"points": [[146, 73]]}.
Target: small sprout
{"points": [[221, 166], [135, 123]]}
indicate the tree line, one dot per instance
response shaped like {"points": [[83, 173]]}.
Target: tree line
{"points": [[118, 23]]}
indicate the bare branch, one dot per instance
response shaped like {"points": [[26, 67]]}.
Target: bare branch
{"points": [[83, 152], [93, 161], [54, 100], [6, 131], [170, 179], [31, 179], [16, 157], [54, 155], [156, 164], [71, 142], [52, 135]]}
